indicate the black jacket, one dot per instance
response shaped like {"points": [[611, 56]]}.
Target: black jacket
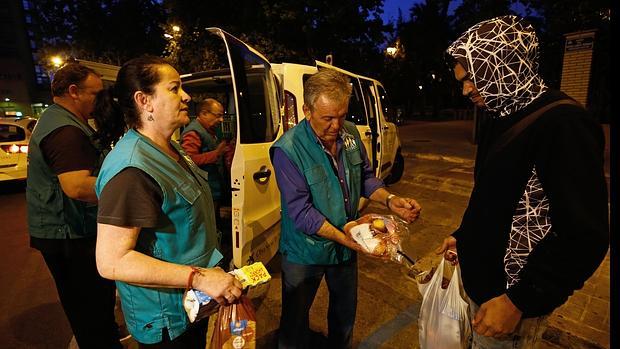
{"points": [[566, 147]]}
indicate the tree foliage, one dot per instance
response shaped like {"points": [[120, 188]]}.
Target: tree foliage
{"points": [[293, 31]]}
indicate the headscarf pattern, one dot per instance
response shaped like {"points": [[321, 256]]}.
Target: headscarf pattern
{"points": [[501, 55]]}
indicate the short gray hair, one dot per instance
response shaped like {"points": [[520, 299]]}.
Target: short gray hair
{"points": [[330, 83]]}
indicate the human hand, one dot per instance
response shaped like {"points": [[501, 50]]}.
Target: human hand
{"points": [[218, 284], [221, 147], [496, 317], [448, 249], [406, 208]]}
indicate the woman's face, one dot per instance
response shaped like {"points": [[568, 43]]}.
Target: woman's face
{"points": [[169, 101]]}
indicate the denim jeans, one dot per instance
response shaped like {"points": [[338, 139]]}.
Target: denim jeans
{"points": [[528, 332], [299, 286]]}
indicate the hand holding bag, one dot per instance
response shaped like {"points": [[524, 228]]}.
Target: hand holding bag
{"points": [[444, 319]]}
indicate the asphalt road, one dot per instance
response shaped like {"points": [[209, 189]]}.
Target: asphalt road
{"points": [[438, 174]]}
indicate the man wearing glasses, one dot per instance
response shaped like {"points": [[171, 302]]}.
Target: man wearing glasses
{"points": [[201, 143]]}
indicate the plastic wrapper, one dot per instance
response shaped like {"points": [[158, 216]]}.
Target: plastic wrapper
{"points": [[199, 305], [380, 235], [235, 326]]}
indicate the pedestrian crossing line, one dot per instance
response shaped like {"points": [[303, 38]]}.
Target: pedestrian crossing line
{"points": [[391, 328]]}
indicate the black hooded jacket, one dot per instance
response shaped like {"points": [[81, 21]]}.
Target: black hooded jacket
{"points": [[565, 145]]}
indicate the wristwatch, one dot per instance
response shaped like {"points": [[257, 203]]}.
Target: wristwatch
{"points": [[389, 198]]}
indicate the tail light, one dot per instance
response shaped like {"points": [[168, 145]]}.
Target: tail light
{"points": [[290, 110], [14, 148]]}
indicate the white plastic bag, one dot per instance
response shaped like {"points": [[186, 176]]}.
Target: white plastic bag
{"points": [[444, 319]]}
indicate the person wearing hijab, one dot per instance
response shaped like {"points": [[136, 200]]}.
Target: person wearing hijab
{"points": [[536, 226]]}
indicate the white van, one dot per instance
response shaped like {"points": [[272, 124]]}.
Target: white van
{"points": [[261, 101], [369, 110]]}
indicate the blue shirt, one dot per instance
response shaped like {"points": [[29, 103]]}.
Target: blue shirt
{"points": [[296, 193]]}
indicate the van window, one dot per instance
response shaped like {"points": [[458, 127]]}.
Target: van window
{"points": [[357, 114], [388, 110], [259, 114]]}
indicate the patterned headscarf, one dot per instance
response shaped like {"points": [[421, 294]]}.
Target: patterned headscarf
{"points": [[501, 55]]}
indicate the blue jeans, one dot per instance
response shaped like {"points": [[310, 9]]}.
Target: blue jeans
{"points": [[529, 331], [299, 286]]}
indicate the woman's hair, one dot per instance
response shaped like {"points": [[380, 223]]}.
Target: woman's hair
{"points": [[115, 109]]}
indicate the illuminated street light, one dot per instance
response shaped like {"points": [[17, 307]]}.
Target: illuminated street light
{"points": [[176, 28], [7, 99], [56, 61], [167, 36], [420, 87], [391, 51], [433, 76]]}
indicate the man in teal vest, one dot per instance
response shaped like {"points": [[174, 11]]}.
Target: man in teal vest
{"points": [[201, 143], [62, 205], [322, 170]]}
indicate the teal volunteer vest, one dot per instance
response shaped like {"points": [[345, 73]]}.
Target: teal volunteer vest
{"points": [[52, 214], [209, 143], [187, 236], [301, 146]]}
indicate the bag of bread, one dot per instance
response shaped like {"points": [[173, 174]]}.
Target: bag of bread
{"points": [[235, 326], [379, 235]]}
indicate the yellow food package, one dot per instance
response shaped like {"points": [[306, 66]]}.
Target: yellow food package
{"points": [[252, 275]]}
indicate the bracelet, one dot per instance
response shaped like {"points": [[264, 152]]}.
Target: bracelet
{"points": [[190, 279], [389, 198]]}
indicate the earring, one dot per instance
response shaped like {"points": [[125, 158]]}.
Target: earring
{"points": [[150, 117]]}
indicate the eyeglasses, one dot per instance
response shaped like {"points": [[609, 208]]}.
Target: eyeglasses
{"points": [[450, 61]]}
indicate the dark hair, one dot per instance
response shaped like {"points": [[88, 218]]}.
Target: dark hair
{"points": [[67, 75], [108, 118], [115, 104]]}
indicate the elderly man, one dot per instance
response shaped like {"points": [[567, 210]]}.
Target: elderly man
{"points": [[201, 143], [62, 205], [540, 197], [322, 170]]}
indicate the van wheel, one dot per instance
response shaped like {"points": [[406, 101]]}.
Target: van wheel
{"points": [[397, 169]]}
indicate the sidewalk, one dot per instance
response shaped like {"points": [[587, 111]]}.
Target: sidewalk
{"points": [[583, 321]]}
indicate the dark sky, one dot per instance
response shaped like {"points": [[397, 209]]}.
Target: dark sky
{"points": [[390, 8]]}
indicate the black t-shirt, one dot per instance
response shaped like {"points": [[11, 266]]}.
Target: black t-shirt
{"points": [[132, 198], [65, 149], [68, 149]]}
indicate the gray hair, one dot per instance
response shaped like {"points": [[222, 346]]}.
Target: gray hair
{"points": [[208, 104], [329, 83]]}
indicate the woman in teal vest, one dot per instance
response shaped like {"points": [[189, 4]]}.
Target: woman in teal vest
{"points": [[156, 225]]}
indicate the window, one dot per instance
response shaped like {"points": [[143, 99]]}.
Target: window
{"points": [[11, 133], [357, 115], [386, 106], [259, 114]]}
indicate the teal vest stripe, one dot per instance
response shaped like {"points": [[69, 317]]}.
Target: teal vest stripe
{"points": [[187, 237], [208, 143], [301, 147], [52, 214]]}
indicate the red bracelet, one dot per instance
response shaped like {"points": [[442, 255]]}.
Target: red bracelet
{"points": [[190, 279]]}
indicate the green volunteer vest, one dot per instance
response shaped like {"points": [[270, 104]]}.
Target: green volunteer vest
{"points": [[187, 235], [209, 143], [52, 214], [301, 146]]}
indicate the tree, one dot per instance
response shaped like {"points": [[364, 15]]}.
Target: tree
{"points": [[107, 31], [424, 39], [294, 31]]}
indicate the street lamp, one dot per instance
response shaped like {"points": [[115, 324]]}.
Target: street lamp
{"points": [[176, 28], [56, 61], [391, 51]]}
